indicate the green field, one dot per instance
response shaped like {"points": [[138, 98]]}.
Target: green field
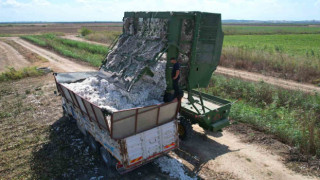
{"points": [[293, 116], [93, 54], [250, 30], [294, 56], [305, 45]]}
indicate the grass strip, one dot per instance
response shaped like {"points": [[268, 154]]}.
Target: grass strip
{"points": [[13, 74], [293, 116], [93, 54]]}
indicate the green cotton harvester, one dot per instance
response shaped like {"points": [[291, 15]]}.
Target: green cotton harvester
{"points": [[195, 38]]}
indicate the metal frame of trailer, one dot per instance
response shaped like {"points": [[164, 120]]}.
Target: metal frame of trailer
{"points": [[116, 131]]}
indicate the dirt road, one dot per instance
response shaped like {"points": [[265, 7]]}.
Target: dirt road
{"points": [[225, 153], [9, 57], [287, 84], [74, 37], [57, 62]]}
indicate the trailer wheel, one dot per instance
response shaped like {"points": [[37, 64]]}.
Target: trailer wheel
{"points": [[94, 145], [107, 159], [184, 129]]}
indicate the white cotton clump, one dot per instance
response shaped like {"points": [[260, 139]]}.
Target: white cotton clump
{"points": [[173, 167], [147, 91], [134, 53]]}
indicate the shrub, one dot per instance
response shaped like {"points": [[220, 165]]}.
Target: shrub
{"points": [[84, 31]]}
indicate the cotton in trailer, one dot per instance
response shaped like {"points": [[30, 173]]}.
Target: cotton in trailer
{"points": [[126, 138]]}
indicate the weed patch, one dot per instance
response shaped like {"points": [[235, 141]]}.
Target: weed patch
{"points": [[13, 74]]}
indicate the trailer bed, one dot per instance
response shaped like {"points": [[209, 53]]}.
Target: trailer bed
{"points": [[132, 136], [213, 115], [209, 105]]}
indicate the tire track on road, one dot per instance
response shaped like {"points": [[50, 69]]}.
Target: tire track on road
{"points": [[58, 62]]}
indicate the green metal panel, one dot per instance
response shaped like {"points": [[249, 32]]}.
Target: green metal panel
{"points": [[206, 51], [220, 124], [202, 52], [213, 118]]}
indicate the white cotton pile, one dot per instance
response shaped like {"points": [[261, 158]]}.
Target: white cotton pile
{"points": [[147, 91], [173, 167]]}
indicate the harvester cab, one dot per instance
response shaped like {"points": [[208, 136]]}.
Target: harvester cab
{"points": [[194, 38]]}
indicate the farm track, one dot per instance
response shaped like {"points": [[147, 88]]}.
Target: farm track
{"points": [[9, 57], [56, 62], [226, 153], [74, 37], [255, 77]]}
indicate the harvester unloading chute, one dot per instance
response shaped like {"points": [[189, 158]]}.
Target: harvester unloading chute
{"points": [[195, 38]]}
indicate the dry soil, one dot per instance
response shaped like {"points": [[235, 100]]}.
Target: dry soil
{"points": [[207, 155]]}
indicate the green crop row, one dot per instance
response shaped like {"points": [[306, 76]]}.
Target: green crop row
{"points": [[92, 48], [305, 45], [293, 116], [255, 30], [93, 54], [294, 57]]}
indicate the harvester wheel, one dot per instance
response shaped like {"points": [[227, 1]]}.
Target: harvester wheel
{"points": [[184, 129], [109, 161], [94, 145]]}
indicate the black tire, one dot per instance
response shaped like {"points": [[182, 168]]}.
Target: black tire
{"points": [[107, 158], [185, 129], [94, 145]]}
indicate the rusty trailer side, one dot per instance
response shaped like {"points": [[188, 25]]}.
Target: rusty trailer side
{"points": [[132, 136]]}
